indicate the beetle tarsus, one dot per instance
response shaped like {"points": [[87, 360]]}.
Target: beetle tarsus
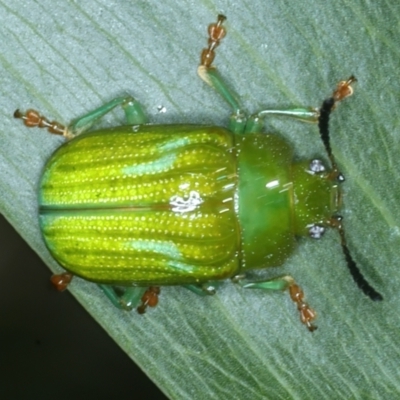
{"points": [[61, 281], [33, 119], [307, 314], [216, 32], [149, 299]]}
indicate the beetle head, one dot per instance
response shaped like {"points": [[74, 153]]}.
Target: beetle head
{"points": [[316, 196]]}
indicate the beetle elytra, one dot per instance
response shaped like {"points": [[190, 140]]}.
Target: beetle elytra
{"points": [[140, 206]]}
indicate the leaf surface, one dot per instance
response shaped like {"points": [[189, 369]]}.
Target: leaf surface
{"points": [[66, 58]]}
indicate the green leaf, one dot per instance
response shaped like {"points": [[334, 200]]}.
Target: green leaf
{"points": [[66, 58]]}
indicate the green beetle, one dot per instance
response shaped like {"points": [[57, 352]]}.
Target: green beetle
{"points": [[140, 206]]}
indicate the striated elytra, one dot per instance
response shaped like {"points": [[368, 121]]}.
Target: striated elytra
{"points": [[140, 206]]}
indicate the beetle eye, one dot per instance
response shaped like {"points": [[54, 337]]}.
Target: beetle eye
{"points": [[316, 166], [316, 231]]}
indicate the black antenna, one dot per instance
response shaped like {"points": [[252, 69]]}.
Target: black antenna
{"points": [[323, 125], [351, 264], [342, 91]]}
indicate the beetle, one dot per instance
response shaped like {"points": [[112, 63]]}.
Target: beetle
{"points": [[140, 206]]}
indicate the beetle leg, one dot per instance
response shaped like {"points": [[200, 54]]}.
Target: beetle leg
{"points": [[255, 122], [343, 89], [209, 74], [208, 288], [133, 113], [125, 298], [307, 314]]}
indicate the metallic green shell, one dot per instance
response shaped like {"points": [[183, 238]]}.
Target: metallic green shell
{"points": [[143, 205], [177, 204]]}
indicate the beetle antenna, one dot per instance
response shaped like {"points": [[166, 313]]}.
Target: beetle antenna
{"points": [[323, 125], [359, 279], [342, 91]]}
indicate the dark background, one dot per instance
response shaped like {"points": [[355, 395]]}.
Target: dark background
{"points": [[50, 348]]}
